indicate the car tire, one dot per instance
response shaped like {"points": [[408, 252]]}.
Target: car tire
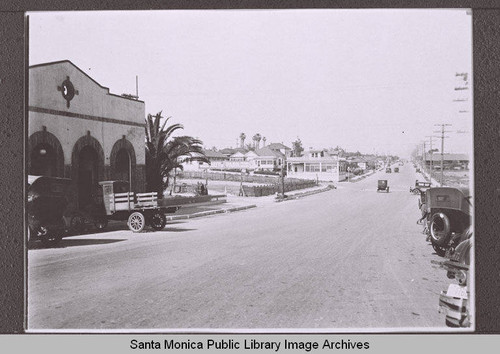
{"points": [[77, 224], [101, 223], [440, 229], [136, 222], [158, 221], [51, 239]]}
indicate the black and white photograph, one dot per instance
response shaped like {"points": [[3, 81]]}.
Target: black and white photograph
{"points": [[250, 171]]}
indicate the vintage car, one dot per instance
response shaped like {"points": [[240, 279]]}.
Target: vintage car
{"points": [[396, 169], [420, 187], [382, 185], [388, 170], [448, 216], [455, 301], [46, 205]]}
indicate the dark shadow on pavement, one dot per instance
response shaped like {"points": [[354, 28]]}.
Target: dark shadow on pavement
{"points": [[176, 222], [86, 242], [175, 229], [74, 242], [111, 227]]}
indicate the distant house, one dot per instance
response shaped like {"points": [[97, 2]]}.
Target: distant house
{"points": [[318, 164], [284, 150], [238, 156], [268, 159], [230, 151], [215, 158], [450, 161]]}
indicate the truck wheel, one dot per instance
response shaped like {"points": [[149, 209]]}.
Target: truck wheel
{"points": [[158, 221], [440, 229], [136, 222], [100, 223], [77, 224], [51, 239]]}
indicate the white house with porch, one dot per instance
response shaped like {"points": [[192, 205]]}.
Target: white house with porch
{"points": [[318, 164]]}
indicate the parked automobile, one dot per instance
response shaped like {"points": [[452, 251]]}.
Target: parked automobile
{"points": [[420, 187], [388, 170], [455, 301], [448, 215], [396, 169], [46, 205]]}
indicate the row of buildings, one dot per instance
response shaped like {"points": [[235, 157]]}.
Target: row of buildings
{"points": [[77, 129], [322, 164]]}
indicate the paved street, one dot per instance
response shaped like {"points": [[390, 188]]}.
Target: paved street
{"points": [[349, 258]]}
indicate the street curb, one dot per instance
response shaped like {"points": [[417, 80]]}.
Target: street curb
{"points": [[210, 212], [305, 194], [362, 177]]}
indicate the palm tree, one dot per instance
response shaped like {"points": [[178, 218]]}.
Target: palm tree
{"points": [[165, 153], [258, 137], [242, 140]]}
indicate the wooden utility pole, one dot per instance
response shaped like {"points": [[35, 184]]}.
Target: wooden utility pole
{"points": [[442, 147], [424, 157], [431, 152]]}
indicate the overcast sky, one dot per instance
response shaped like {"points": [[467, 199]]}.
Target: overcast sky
{"points": [[367, 80]]}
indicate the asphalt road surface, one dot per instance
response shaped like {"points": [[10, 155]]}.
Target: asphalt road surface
{"points": [[346, 259]]}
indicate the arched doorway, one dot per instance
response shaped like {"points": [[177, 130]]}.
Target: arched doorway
{"points": [[123, 166], [45, 155], [88, 172], [87, 169], [123, 163], [43, 161]]}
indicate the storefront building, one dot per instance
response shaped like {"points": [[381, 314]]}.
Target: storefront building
{"points": [[77, 129]]}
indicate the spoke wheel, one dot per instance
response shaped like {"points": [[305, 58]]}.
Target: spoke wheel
{"points": [[77, 224], [136, 222], [158, 221]]}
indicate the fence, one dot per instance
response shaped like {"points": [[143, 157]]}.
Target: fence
{"points": [[228, 176], [270, 184]]}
